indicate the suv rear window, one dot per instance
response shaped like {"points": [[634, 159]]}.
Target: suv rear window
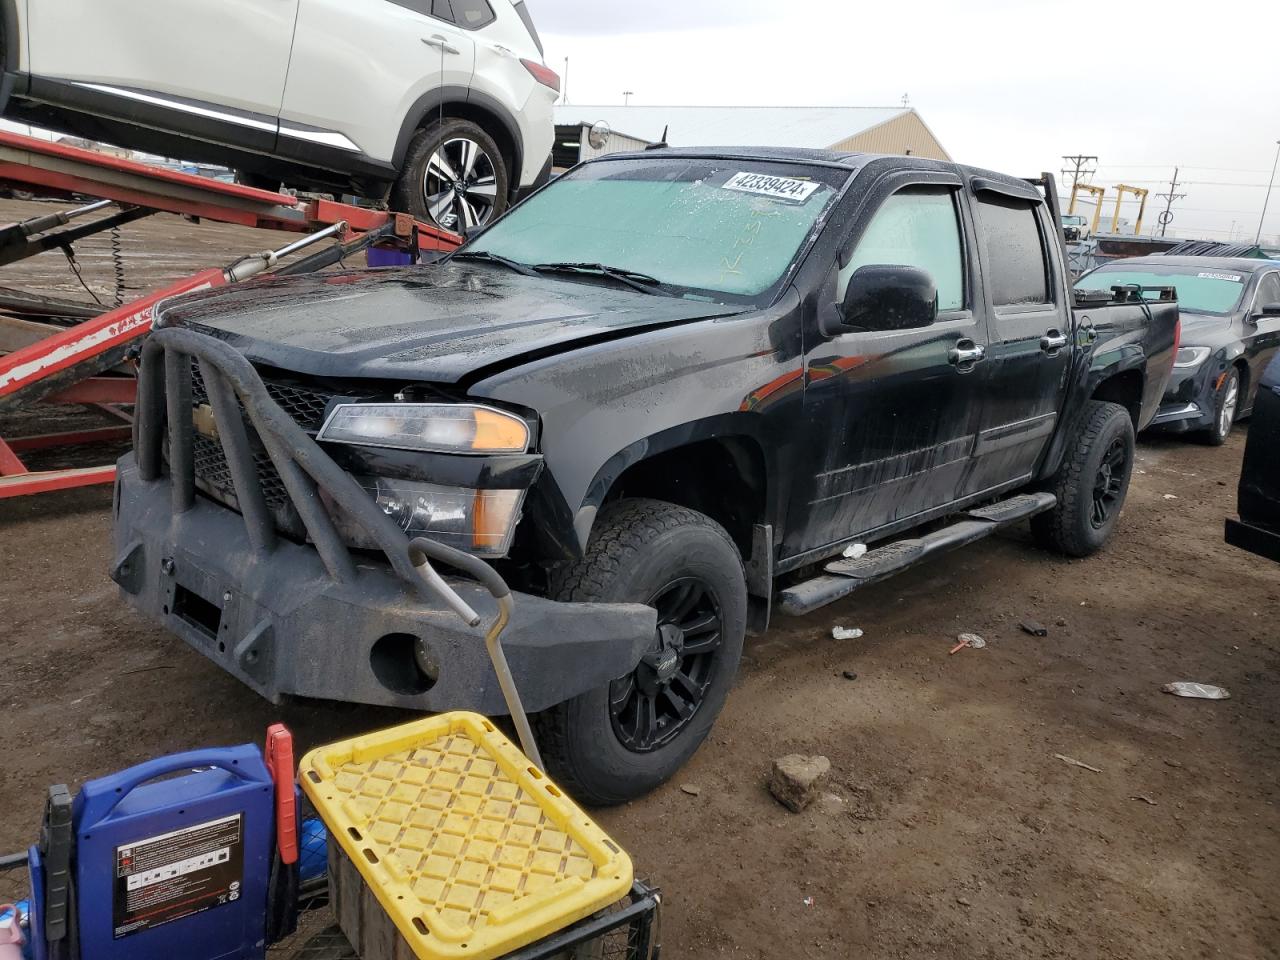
{"points": [[1015, 253], [472, 14]]}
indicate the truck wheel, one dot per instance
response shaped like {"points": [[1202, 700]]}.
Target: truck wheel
{"points": [[1091, 483], [1226, 401], [453, 176], [621, 740]]}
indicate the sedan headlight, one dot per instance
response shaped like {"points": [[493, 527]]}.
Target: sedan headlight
{"points": [[1190, 357], [429, 427], [481, 522]]}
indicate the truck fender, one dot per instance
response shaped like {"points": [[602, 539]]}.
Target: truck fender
{"points": [[729, 426]]}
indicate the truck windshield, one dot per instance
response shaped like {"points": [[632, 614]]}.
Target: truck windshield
{"points": [[1200, 290], [727, 229]]}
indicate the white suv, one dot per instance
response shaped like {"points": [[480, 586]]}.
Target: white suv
{"points": [[444, 103]]}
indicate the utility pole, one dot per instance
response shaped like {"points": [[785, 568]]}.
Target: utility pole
{"points": [[1166, 215], [1078, 172], [626, 97], [565, 91], [1270, 183]]}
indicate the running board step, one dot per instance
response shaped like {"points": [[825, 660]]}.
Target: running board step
{"points": [[843, 576]]}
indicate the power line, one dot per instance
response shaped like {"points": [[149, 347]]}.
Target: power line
{"points": [[1077, 173], [1166, 217]]}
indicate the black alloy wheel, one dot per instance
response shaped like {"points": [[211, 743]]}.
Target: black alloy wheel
{"points": [[1109, 484], [651, 706]]}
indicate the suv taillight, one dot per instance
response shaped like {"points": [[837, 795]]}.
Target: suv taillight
{"points": [[544, 75]]}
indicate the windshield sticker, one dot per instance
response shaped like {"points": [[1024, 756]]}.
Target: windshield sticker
{"points": [[1210, 275], [779, 188]]}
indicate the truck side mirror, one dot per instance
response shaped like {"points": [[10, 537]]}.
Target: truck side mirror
{"points": [[889, 297]]}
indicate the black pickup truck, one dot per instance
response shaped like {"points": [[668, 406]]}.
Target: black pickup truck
{"points": [[661, 397]]}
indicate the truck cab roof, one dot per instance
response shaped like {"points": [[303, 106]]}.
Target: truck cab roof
{"points": [[852, 161]]}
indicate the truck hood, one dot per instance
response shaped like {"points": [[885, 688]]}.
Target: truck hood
{"points": [[438, 323]]}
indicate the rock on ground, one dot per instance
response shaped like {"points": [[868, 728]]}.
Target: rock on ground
{"points": [[795, 779]]}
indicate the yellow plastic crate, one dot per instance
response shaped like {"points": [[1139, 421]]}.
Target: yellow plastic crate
{"points": [[469, 849]]}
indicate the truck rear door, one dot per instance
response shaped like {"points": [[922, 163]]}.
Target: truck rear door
{"points": [[1029, 325], [890, 416]]}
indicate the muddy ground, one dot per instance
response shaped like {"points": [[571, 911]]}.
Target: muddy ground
{"points": [[950, 829]]}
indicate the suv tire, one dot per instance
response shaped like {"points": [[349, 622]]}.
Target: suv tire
{"points": [[1226, 406], [1091, 484], [621, 740], [454, 176]]}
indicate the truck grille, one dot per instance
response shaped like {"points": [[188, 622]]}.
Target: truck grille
{"points": [[213, 473]]}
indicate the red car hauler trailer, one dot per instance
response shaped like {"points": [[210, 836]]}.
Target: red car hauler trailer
{"points": [[79, 361]]}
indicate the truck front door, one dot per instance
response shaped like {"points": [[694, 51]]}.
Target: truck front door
{"points": [[889, 417], [1028, 358]]}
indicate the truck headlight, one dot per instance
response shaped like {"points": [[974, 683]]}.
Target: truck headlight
{"points": [[1190, 357], [481, 522], [429, 427]]}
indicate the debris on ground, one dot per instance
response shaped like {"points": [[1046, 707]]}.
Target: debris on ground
{"points": [[849, 675], [1145, 799], [964, 901], [846, 633], [968, 640], [1198, 691], [1034, 628], [855, 550], [1170, 496], [691, 789], [1076, 763], [807, 901], [1061, 621], [796, 779]]}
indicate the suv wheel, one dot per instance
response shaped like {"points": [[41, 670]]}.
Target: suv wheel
{"points": [[1091, 483], [453, 176], [1226, 401], [620, 741]]}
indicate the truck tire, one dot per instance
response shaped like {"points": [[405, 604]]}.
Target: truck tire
{"points": [[1226, 404], [1091, 483], [454, 176], [621, 740]]}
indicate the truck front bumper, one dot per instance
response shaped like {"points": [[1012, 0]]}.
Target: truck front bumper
{"points": [[279, 622]]}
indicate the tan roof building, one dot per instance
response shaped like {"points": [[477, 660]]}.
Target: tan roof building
{"points": [[897, 130]]}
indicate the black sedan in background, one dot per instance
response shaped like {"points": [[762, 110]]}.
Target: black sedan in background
{"points": [[1230, 329], [1258, 529]]}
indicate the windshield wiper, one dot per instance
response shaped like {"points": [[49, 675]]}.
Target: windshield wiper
{"points": [[632, 278], [516, 265]]}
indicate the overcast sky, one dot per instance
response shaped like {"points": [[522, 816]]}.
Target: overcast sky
{"points": [[1007, 84]]}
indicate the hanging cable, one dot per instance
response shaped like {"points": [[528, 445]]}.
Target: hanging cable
{"points": [[75, 268]]}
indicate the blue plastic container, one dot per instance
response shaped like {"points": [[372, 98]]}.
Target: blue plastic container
{"points": [[176, 867], [382, 257]]}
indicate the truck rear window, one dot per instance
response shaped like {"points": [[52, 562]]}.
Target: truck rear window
{"points": [[1200, 289], [724, 228]]}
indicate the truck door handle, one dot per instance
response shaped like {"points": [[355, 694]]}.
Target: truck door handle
{"points": [[1052, 342], [440, 43], [965, 354]]}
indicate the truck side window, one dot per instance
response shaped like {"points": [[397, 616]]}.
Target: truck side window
{"points": [[916, 227], [1015, 251]]}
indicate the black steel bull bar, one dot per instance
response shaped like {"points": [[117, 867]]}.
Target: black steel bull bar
{"points": [[165, 411]]}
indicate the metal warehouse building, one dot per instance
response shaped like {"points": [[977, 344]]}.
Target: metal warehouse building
{"points": [[898, 130]]}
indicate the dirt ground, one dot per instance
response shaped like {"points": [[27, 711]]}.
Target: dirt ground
{"points": [[949, 830]]}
